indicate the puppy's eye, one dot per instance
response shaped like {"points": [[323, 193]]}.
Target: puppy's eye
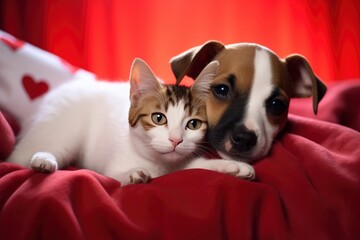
{"points": [[276, 106], [194, 124], [158, 118], [222, 91]]}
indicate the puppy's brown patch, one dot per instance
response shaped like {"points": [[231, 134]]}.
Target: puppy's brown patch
{"points": [[280, 82], [238, 77], [243, 69]]}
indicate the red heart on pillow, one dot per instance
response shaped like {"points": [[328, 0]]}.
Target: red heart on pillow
{"points": [[14, 44], [34, 88]]}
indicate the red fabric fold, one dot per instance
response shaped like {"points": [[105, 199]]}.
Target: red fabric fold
{"points": [[307, 188], [7, 138], [341, 105]]}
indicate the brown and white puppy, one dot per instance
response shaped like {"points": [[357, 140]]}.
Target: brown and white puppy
{"points": [[250, 95]]}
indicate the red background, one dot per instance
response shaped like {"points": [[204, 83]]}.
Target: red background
{"points": [[105, 36]]}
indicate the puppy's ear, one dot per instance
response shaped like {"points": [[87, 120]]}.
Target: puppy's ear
{"points": [[142, 80], [192, 62], [202, 85], [304, 82]]}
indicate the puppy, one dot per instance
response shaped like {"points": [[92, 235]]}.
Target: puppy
{"points": [[249, 100]]}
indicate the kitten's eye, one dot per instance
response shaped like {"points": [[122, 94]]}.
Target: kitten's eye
{"points": [[194, 124], [222, 91], [158, 118]]}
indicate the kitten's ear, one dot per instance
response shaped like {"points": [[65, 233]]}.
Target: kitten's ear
{"points": [[142, 80], [202, 83]]}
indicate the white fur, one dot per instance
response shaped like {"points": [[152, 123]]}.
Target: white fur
{"points": [[255, 116], [88, 122]]}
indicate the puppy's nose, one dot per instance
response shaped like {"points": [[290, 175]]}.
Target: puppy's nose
{"points": [[243, 139]]}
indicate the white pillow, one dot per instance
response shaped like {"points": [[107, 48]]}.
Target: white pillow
{"points": [[27, 73]]}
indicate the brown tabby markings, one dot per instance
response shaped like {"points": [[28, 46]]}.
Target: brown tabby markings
{"points": [[160, 101]]}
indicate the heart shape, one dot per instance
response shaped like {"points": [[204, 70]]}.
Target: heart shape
{"points": [[14, 44], [34, 88]]}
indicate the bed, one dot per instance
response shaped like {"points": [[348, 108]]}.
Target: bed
{"points": [[308, 187]]}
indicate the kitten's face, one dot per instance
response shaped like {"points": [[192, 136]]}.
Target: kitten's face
{"points": [[170, 122]]}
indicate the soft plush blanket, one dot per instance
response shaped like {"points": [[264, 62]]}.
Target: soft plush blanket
{"points": [[308, 187]]}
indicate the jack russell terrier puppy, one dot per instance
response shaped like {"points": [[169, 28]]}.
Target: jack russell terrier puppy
{"points": [[249, 100]]}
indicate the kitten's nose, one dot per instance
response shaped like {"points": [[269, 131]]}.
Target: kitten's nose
{"points": [[175, 141]]}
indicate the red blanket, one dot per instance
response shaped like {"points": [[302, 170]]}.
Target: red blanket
{"points": [[307, 188]]}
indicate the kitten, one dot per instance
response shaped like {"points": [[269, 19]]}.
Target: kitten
{"points": [[94, 124]]}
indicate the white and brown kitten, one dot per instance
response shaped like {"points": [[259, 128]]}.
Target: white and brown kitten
{"points": [[96, 125]]}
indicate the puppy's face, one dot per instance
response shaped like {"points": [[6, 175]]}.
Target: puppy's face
{"points": [[249, 99]]}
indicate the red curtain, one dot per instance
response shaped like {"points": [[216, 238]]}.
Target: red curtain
{"points": [[104, 36]]}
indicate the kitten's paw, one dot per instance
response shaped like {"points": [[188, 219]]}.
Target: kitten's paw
{"points": [[139, 175], [240, 170], [44, 162]]}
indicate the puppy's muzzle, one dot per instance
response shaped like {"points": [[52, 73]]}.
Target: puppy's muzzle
{"points": [[243, 139]]}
